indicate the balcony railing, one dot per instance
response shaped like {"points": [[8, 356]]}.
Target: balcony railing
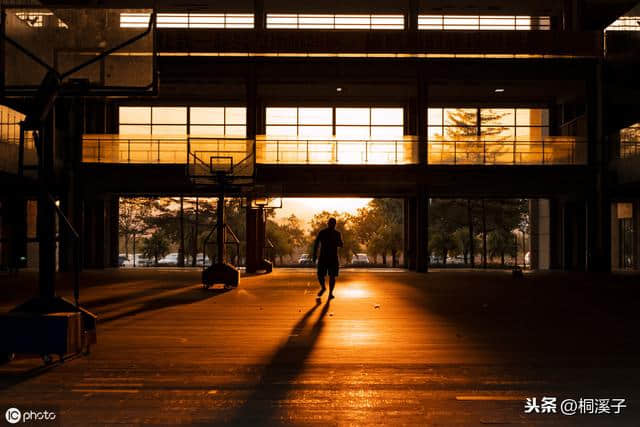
{"points": [[551, 150], [115, 148], [334, 151]]}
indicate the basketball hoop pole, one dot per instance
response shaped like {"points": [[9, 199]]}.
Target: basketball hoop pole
{"points": [[27, 321], [220, 228]]}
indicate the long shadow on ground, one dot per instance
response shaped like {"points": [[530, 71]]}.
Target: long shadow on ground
{"points": [[280, 373], [188, 296]]}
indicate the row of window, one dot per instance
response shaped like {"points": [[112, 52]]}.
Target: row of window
{"points": [[625, 23], [338, 21], [342, 123], [495, 124], [196, 121], [630, 141]]}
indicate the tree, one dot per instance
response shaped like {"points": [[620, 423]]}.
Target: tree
{"points": [[156, 246], [500, 242], [445, 217], [463, 243], [133, 220], [378, 227]]}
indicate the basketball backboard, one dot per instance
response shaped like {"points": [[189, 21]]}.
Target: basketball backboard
{"points": [[64, 38]]}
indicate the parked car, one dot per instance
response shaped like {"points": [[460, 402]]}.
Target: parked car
{"points": [[170, 259], [123, 260], [305, 259], [360, 259]]}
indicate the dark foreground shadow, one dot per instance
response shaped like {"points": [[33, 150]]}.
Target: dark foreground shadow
{"points": [[280, 373], [189, 296]]}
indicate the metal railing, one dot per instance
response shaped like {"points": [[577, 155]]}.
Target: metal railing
{"points": [[116, 148], [551, 150], [219, 153], [334, 151]]}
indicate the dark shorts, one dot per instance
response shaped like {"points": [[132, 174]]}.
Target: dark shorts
{"points": [[330, 268]]}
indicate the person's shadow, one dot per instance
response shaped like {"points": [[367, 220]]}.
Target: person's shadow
{"points": [[278, 376]]}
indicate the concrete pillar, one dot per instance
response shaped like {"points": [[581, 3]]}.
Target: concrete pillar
{"points": [[598, 213], [114, 231], [101, 232], [412, 16], [251, 236], [534, 230], [411, 209], [576, 239], [422, 232], [422, 118], [262, 236], [259, 15], [598, 235], [556, 235]]}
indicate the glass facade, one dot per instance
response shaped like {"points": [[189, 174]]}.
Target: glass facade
{"points": [[625, 23], [497, 136], [188, 20], [630, 141], [483, 22], [334, 22], [329, 135]]}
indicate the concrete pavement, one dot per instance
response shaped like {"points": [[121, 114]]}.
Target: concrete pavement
{"points": [[394, 348]]}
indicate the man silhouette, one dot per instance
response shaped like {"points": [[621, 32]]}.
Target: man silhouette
{"points": [[329, 240]]}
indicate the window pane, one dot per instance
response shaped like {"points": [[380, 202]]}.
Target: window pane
{"points": [[285, 116], [239, 20], [498, 116], [435, 116], [352, 132], [135, 115], [236, 115], [207, 115], [435, 132], [502, 133], [461, 22], [315, 21], [169, 130], [460, 116], [315, 132], [282, 130], [535, 133], [134, 130], [169, 115], [172, 20], [460, 132], [352, 116], [387, 132], [352, 21], [532, 117], [387, 116], [236, 131], [315, 116], [212, 131]]}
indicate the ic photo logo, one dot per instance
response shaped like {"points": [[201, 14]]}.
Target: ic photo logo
{"points": [[13, 415]]}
